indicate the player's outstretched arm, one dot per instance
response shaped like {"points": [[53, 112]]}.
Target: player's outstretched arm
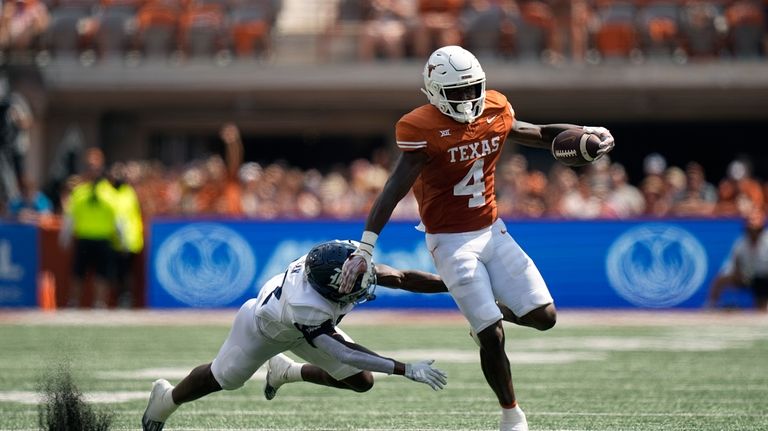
{"points": [[541, 136], [360, 357], [536, 135], [407, 169], [410, 280]]}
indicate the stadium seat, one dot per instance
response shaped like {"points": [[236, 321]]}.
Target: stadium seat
{"points": [[483, 30], [63, 36], [616, 37], [157, 24], [533, 30], [200, 30], [659, 28], [699, 29], [339, 40], [251, 24], [746, 24], [116, 22]]}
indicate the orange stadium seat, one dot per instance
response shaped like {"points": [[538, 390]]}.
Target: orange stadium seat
{"points": [[659, 29], [534, 29], [746, 28], [157, 24], [699, 29], [616, 38], [200, 30], [251, 24]]}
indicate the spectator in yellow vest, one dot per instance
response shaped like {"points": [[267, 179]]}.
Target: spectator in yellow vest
{"points": [[90, 218], [127, 246]]}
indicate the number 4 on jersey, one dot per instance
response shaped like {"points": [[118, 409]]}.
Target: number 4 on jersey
{"points": [[472, 185]]}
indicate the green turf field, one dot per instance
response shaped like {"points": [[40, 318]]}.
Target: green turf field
{"points": [[703, 372]]}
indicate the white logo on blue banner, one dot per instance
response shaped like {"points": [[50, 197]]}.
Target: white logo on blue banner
{"points": [[205, 265], [8, 269], [656, 265]]}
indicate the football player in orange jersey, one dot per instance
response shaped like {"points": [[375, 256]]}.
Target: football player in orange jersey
{"points": [[450, 148]]}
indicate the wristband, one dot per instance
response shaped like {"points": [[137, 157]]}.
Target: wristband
{"points": [[368, 241]]}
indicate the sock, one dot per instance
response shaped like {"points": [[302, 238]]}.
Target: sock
{"points": [[513, 415], [293, 374]]}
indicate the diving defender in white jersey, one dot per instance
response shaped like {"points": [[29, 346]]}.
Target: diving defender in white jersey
{"points": [[298, 310]]}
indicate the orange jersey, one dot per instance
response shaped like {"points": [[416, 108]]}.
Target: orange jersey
{"points": [[455, 190]]}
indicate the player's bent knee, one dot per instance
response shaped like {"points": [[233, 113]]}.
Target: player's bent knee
{"points": [[228, 373], [360, 382], [231, 379], [542, 318]]}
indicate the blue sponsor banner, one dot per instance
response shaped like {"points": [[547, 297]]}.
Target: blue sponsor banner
{"points": [[19, 262], [592, 264]]}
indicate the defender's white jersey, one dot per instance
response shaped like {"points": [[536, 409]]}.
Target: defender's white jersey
{"points": [[288, 299]]}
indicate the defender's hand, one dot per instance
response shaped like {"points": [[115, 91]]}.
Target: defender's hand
{"points": [[423, 372], [606, 139], [357, 263]]}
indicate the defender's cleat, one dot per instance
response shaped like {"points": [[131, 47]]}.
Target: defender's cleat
{"points": [[513, 420], [277, 374], [157, 411]]}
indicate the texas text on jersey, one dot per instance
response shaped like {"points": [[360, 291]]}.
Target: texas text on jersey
{"points": [[455, 190]]}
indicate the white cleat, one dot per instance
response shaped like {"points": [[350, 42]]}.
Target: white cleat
{"points": [[277, 374], [513, 420], [156, 412]]}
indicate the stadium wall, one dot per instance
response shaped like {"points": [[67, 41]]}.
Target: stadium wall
{"points": [[587, 264], [217, 263]]}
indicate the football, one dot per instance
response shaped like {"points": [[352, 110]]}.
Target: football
{"points": [[573, 147]]}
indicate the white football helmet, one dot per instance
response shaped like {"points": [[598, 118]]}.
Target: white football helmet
{"points": [[455, 83]]}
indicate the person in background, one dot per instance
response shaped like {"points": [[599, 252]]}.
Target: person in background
{"points": [[437, 24], [90, 219], [16, 120], [750, 189], [747, 264], [31, 205], [220, 192], [21, 23], [625, 199], [128, 245], [384, 31]]}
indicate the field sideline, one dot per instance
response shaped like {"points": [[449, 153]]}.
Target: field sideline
{"points": [[596, 370]]}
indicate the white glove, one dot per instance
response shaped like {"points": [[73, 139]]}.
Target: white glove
{"points": [[606, 139], [423, 372]]}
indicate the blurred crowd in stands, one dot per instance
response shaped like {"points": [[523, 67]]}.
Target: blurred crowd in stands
{"points": [[279, 191], [549, 31], [225, 187]]}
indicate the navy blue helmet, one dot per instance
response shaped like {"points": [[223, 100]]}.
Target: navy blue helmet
{"points": [[323, 268]]}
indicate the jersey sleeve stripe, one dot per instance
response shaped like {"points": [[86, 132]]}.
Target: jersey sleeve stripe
{"points": [[405, 144]]}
